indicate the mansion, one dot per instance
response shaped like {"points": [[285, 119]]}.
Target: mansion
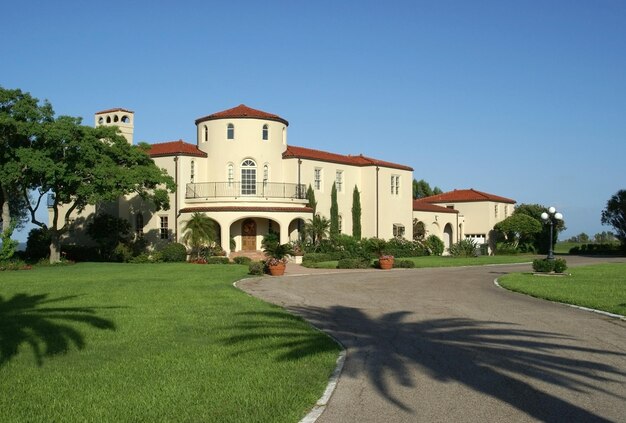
{"points": [[243, 174]]}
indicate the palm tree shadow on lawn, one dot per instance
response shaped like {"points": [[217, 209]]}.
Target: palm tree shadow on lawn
{"points": [[493, 358], [29, 319]]}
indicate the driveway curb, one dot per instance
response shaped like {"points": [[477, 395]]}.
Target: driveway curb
{"points": [[593, 310]]}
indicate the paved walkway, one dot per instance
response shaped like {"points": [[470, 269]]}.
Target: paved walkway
{"points": [[438, 345]]}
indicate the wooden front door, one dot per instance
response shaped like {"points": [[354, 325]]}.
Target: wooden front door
{"points": [[248, 235]]}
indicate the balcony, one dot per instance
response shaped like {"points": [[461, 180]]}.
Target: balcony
{"points": [[246, 190]]}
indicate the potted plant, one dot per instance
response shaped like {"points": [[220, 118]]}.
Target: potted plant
{"points": [[277, 257], [298, 251], [379, 246]]}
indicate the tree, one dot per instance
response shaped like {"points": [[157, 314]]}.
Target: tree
{"points": [[422, 189], [356, 213], [540, 240], [334, 212], [199, 231], [317, 229], [108, 231], [604, 237], [82, 165], [615, 215], [21, 117], [310, 196], [518, 227]]}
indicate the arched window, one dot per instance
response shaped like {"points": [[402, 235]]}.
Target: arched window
{"points": [[206, 133], [139, 225], [108, 119], [100, 120], [265, 132], [193, 171], [230, 131], [231, 174], [125, 119], [248, 177], [115, 118], [266, 173]]}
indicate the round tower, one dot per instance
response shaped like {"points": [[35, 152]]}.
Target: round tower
{"points": [[122, 118], [245, 140]]}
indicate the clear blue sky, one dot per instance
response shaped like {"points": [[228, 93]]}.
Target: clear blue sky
{"points": [[523, 99]]}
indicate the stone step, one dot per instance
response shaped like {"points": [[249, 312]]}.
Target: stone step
{"points": [[253, 255]]}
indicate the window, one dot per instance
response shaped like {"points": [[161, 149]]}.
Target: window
{"points": [[340, 222], [496, 210], [265, 133], [193, 170], [231, 174], [506, 210], [139, 225], [395, 184], [398, 230], [230, 132], [248, 177], [317, 178], [266, 174], [206, 133], [163, 230], [339, 180]]}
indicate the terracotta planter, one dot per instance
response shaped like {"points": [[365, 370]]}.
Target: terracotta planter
{"points": [[385, 263], [277, 269]]}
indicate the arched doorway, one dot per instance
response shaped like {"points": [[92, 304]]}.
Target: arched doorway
{"points": [[248, 235], [447, 236]]}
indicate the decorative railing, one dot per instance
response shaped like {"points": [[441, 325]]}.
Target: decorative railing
{"points": [[238, 189]]}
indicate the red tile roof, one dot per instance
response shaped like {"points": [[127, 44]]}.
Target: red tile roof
{"points": [[466, 195], [421, 205], [247, 209], [324, 156], [118, 109], [175, 148], [242, 112]]}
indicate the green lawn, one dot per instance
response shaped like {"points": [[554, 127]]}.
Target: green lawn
{"points": [[601, 286], [99, 342], [440, 261]]}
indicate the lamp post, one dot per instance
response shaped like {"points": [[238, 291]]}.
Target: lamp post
{"points": [[551, 218]]}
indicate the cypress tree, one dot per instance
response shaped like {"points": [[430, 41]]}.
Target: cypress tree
{"points": [[310, 196], [356, 213], [334, 212]]}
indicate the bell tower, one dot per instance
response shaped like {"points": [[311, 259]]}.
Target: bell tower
{"points": [[122, 118]]}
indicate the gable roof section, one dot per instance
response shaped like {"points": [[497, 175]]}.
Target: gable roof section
{"points": [[425, 206], [293, 152], [466, 195], [175, 148], [117, 109], [242, 112]]}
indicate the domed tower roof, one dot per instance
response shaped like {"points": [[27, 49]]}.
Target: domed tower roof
{"points": [[242, 112]]}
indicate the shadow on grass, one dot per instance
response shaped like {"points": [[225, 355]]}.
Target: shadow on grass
{"points": [[30, 319], [494, 358]]}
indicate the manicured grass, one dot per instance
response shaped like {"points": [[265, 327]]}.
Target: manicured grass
{"points": [[104, 342], [441, 261], [601, 286]]}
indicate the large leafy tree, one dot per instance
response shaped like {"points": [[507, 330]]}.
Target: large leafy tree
{"points": [[82, 165], [615, 215], [422, 189], [199, 231], [108, 231], [21, 119], [356, 213], [518, 228], [540, 240], [334, 212]]}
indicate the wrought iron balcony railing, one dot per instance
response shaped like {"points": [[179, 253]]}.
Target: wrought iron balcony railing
{"points": [[238, 189]]}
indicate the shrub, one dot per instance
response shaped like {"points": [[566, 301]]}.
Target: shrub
{"points": [[404, 264], [174, 252], [546, 266], [80, 253], [242, 260], [256, 268], [218, 260], [38, 244], [464, 248], [317, 257], [141, 258], [400, 247], [506, 249], [14, 265], [353, 263], [122, 253], [434, 245]]}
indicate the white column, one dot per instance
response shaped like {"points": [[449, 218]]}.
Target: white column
{"points": [[225, 237]]}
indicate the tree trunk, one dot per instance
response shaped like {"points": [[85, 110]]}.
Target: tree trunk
{"points": [[6, 212], [55, 247]]}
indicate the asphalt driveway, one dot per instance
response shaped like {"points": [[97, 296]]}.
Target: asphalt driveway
{"points": [[438, 345]]}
